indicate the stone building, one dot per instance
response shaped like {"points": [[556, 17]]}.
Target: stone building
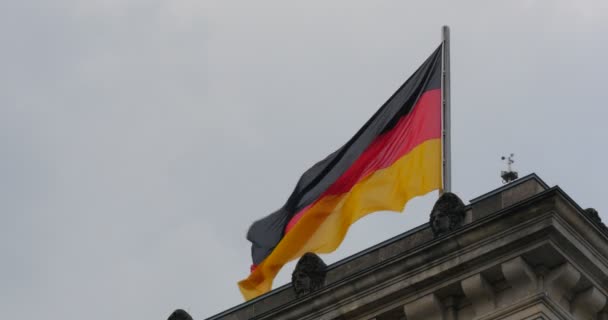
{"points": [[523, 251]]}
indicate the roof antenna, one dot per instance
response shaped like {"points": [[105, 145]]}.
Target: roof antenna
{"points": [[509, 175]]}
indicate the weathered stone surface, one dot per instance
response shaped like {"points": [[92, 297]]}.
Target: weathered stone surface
{"points": [[425, 308], [309, 274], [447, 214], [180, 314], [480, 293], [520, 277], [514, 192], [587, 304], [560, 281]]}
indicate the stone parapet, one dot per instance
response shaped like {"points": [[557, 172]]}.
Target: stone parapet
{"points": [[523, 251]]}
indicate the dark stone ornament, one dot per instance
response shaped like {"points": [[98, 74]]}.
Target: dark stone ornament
{"points": [[447, 214], [309, 274], [180, 314], [595, 216]]}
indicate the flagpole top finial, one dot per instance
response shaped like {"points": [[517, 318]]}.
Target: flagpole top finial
{"points": [[445, 32]]}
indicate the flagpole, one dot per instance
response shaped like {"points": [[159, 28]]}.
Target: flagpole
{"points": [[446, 165]]}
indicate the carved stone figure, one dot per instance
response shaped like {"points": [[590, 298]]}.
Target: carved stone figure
{"points": [[447, 214], [309, 274], [595, 216], [180, 314]]}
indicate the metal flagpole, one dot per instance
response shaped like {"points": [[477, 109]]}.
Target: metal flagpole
{"points": [[446, 151]]}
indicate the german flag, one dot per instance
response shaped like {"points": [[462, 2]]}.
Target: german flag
{"points": [[395, 157]]}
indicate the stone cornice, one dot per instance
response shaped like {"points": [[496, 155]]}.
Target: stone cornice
{"points": [[436, 261], [546, 221]]}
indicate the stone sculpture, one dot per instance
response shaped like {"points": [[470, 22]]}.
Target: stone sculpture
{"points": [[447, 214], [180, 314], [309, 274]]}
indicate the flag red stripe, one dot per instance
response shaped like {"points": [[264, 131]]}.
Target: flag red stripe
{"points": [[421, 124]]}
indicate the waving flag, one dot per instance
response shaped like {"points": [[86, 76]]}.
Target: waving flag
{"points": [[394, 157]]}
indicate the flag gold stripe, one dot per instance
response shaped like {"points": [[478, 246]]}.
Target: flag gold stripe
{"points": [[324, 226]]}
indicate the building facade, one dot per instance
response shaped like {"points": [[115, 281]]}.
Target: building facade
{"points": [[523, 251]]}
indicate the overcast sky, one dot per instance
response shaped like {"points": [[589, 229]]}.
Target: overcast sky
{"points": [[139, 139]]}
